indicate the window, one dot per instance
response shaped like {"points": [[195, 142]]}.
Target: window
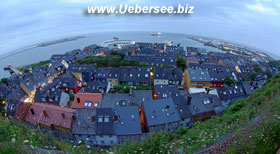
{"points": [[96, 104], [106, 119], [93, 118], [32, 111], [100, 119], [78, 100], [63, 115]]}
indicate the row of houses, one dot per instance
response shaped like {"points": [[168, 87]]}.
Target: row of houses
{"points": [[128, 76], [87, 120]]}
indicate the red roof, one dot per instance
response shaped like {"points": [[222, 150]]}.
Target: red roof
{"points": [[22, 110], [87, 100], [49, 115]]}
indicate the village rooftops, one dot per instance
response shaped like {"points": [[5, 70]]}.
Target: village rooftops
{"points": [[87, 100]]}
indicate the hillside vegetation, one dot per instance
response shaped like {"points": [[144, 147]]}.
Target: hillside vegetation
{"points": [[263, 138]]}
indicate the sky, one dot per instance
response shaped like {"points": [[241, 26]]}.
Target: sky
{"points": [[254, 23]]}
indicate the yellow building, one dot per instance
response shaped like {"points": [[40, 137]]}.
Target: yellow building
{"points": [[196, 78]]}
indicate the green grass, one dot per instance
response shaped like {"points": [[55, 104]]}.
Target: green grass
{"points": [[15, 137]]}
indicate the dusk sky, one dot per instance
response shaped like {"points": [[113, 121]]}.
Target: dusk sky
{"points": [[252, 22]]}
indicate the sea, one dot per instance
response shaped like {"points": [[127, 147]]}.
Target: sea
{"points": [[31, 54]]}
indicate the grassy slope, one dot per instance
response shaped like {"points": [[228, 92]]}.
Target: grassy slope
{"points": [[263, 101]]}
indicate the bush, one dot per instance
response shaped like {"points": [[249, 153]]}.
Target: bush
{"points": [[235, 107], [8, 149]]}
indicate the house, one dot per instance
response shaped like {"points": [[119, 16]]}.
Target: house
{"points": [[84, 73], [197, 78], [113, 76], [87, 100], [57, 58], [140, 96], [144, 45], [182, 106], [16, 96], [159, 115], [251, 86], [96, 87], [174, 48], [169, 76], [84, 126], [203, 106], [4, 90], [91, 47], [50, 116], [230, 94], [105, 127], [112, 100], [128, 124], [159, 46], [217, 78], [102, 74], [68, 83], [134, 76], [193, 65], [22, 110], [52, 94], [154, 60], [165, 91], [195, 51]]}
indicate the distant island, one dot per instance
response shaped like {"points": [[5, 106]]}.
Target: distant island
{"points": [[60, 41]]}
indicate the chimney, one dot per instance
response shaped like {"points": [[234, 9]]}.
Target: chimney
{"points": [[189, 100]]}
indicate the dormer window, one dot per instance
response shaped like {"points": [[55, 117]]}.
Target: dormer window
{"points": [[100, 119], [32, 111], [63, 115], [116, 118], [96, 104], [106, 118], [93, 118]]}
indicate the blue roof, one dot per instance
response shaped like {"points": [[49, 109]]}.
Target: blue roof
{"points": [[199, 75], [128, 121], [160, 111]]}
